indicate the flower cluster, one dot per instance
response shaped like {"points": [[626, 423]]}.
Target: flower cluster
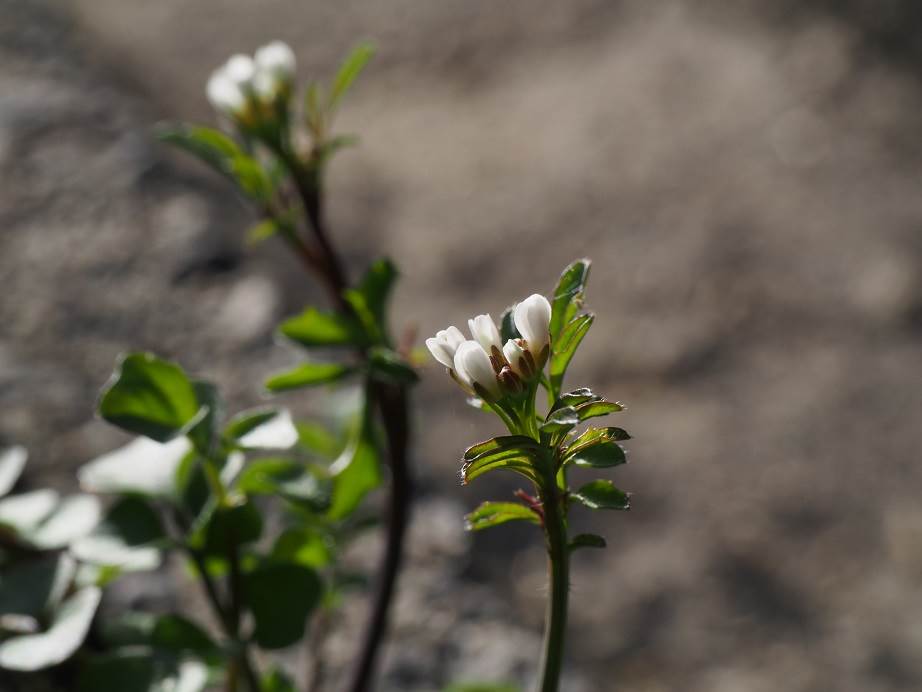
{"points": [[244, 84], [487, 367]]}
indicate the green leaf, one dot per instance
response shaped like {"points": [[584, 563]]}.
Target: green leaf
{"points": [[203, 433], [129, 537], [561, 420], [315, 328], [69, 626], [592, 436], [74, 517], [138, 670], [264, 230], [494, 513], [601, 455], [389, 366], [350, 69], [519, 463], [587, 540], [302, 547], [499, 444], [603, 495], [568, 296], [36, 587], [308, 375], [277, 681], [232, 526], [142, 466], [287, 478], [177, 634], [281, 596], [12, 462], [264, 428], [26, 511], [376, 286], [507, 328], [593, 409], [575, 398], [151, 397], [564, 347], [355, 472], [317, 440]]}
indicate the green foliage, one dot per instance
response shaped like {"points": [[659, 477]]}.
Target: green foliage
{"points": [[308, 375], [357, 470], [564, 348], [129, 537], [568, 296], [281, 596], [602, 494], [586, 540], [315, 328], [151, 397], [494, 513], [349, 71]]}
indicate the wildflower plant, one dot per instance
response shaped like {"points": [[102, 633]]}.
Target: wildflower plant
{"points": [[503, 367]]}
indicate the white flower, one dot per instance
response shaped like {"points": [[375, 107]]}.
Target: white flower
{"points": [[484, 331], [474, 368], [240, 69], [444, 344], [224, 94], [533, 319], [515, 356], [277, 60]]}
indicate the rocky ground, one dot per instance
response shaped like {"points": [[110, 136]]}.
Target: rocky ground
{"points": [[747, 184]]}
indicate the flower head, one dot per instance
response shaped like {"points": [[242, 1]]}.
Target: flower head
{"points": [[532, 318], [276, 59], [473, 366], [444, 345], [484, 331], [224, 94]]}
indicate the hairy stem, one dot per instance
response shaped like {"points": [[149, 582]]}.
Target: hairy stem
{"points": [[558, 573]]}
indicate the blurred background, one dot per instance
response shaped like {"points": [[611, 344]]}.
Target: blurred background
{"points": [[747, 178]]}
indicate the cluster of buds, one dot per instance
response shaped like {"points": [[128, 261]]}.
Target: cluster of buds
{"points": [[244, 87], [486, 367]]}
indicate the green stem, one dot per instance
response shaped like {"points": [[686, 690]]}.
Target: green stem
{"points": [[558, 573]]}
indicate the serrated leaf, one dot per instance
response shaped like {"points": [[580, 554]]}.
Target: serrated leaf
{"points": [[69, 626], [12, 462], [509, 459], [602, 494], [150, 396], [494, 513], [560, 421], [564, 347], [315, 328], [593, 409], [265, 428], [568, 296], [389, 366], [605, 454], [308, 375], [501, 443], [281, 596], [141, 466], [586, 540], [350, 69]]}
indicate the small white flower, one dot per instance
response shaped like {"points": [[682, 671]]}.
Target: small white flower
{"points": [[474, 368], [515, 356], [224, 94], [277, 60], [240, 69], [533, 319], [484, 332], [444, 345]]}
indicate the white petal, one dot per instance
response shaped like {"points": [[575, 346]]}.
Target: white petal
{"points": [[277, 59], [473, 367], [240, 69], [514, 354], [452, 336], [440, 352], [224, 95], [533, 319], [484, 332]]}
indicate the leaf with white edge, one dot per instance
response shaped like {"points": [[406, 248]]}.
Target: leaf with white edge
{"points": [[150, 396], [604, 454], [263, 429], [603, 495], [281, 596], [521, 464], [26, 511], [591, 436], [495, 513], [308, 375], [73, 518], [586, 540], [560, 421], [12, 462], [69, 626], [564, 348], [568, 296], [355, 473], [315, 328], [36, 587], [129, 537], [575, 398], [499, 444], [142, 466]]}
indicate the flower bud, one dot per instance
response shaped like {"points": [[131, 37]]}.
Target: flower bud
{"points": [[484, 332], [277, 60], [240, 69], [532, 318], [475, 369], [444, 345], [224, 94]]}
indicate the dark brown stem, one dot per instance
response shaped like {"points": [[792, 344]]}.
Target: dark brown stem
{"points": [[392, 403]]}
